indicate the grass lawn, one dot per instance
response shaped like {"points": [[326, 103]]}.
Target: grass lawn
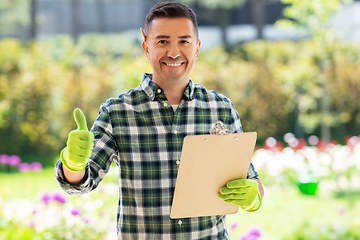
{"points": [[283, 211], [30, 184]]}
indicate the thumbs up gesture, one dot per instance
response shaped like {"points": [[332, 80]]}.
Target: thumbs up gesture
{"points": [[79, 145]]}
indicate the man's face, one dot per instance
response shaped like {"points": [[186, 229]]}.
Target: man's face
{"points": [[172, 47]]}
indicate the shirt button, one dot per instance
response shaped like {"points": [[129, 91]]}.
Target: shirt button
{"points": [[178, 162], [159, 90], [165, 104], [175, 132], [180, 222]]}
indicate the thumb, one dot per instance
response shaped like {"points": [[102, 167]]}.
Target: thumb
{"points": [[80, 119]]}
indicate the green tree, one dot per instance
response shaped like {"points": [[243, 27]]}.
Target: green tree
{"points": [[18, 13], [315, 16], [13, 13]]}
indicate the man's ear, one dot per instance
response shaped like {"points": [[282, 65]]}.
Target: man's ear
{"points": [[198, 44], [145, 47]]}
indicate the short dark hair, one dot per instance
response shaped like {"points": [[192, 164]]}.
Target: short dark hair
{"points": [[170, 10]]}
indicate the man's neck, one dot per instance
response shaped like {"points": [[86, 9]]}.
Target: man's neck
{"points": [[174, 91], [174, 96]]}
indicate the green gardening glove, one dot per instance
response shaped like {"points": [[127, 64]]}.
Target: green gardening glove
{"points": [[243, 193], [79, 145]]}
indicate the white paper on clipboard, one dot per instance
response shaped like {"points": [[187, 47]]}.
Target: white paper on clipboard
{"points": [[207, 163]]}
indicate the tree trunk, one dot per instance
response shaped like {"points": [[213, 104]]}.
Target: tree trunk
{"points": [[258, 15], [325, 98], [298, 131], [75, 20], [224, 19], [101, 14], [325, 110], [33, 27]]}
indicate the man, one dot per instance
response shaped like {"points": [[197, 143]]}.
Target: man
{"points": [[143, 131]]}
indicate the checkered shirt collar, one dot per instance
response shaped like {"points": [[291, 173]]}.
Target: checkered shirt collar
{"points": [[150, 88]]}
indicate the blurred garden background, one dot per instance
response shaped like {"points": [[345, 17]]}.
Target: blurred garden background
{"points": [[291, 68]]}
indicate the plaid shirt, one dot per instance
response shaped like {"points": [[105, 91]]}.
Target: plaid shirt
{"points": [[141, 133]]}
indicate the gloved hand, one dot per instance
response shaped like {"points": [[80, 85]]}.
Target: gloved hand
{"points": [[243, 193], [79, 145]]}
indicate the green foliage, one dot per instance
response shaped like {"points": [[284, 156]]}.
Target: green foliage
{"points": [[255, 92], [41, 85], [13, 13], [267, 82], [306, 231], [12, 230], [314, 15]]}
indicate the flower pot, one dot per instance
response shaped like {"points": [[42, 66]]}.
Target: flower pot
{"points": [[308, 188]]}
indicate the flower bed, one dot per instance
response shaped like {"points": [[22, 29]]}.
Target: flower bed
{"points": [[332, 166], [52, 214], [14, 163]]}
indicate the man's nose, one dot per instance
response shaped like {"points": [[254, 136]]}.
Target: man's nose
{"points": [[174, 51]]}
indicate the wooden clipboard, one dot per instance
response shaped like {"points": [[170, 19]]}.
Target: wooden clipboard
{"points": [[207, 163]]}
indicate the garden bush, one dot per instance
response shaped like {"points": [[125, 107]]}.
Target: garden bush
{"points": [[275, 86]]}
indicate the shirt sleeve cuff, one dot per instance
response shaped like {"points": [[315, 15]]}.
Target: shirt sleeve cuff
{"points": [[68, 187]]}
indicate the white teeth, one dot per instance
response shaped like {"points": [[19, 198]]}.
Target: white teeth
{"points": [[173, 64]]}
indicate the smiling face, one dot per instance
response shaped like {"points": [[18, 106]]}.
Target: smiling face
{"points": [[172, 48]]}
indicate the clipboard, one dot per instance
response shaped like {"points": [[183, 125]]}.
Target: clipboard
{"points": [[207, 163]]}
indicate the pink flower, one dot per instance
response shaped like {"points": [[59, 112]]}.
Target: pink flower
{"points": [[36, 166], [351, 142], [4, 158], [46, 198], [255, 231], [313, 140], [270, 143], [59, 198], [294, 142], [248, 237], [14, 160], [253, 234], [86, 220], [75, 211], [341, 210], [24, 167], [234, 225]]}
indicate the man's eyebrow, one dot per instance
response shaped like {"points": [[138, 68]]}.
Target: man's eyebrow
{"points": [[166, 36], [162, 36], [185, 36]]}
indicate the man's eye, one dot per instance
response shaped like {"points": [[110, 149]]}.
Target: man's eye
{"points": [[184, 42], [162, 41]]}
